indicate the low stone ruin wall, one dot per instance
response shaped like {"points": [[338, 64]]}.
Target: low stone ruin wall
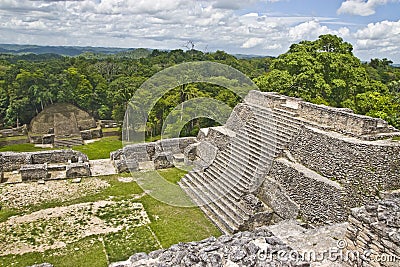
{"points": [[92, 134], [108, 124], [33, 172], [147, 151], [293, 191], [13, 161], [374, 232], [18, 131], [342, 120], [256, 248], [127, 158], [363, 168]]}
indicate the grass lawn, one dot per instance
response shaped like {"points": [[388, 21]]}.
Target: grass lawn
{"points": [[109, 130], [100, 149], [172, 175], [22, 148], [168, 225], [396, 138], [13, 138]]}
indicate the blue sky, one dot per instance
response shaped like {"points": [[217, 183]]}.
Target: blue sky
{"points": [[263, 27]]}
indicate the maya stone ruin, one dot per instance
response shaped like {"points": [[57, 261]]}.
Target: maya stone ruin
{"points": [[277, 159], [63, 125], [283, 159]]}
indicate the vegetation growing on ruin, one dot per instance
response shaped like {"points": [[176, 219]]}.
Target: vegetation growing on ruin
{"points": [[100, 149], [323, 71], [168, 225]]}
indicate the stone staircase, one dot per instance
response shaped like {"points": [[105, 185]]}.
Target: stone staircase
{"points": [[237, 171], [70, 142]]}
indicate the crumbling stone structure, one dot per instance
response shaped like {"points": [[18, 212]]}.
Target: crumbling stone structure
{"points": [[34, 172], [299, 159], [256, 248], [63, 124], [373, 233], [153, 151], [34, 166]]}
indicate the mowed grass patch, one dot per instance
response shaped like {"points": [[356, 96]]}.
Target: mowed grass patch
{"points": [[85, 252], [117, 191], [100, 149], [177, 224], [22, 148], [168, 225], [124, 243], [173, 175]]}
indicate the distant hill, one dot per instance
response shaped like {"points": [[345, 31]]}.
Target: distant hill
{"points": [[87, 51], [245, 56], [68, 50]]}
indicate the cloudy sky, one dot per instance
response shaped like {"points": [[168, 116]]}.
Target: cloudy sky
{"points": [[263, 27]]}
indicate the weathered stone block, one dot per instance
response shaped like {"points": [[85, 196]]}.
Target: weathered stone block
{"points": [[163, 160], [86, 135], [75, 170], [33, 172], [96, 133], [48, 139], [116, 155], [206, 152], [190, 153], [276, 197]]}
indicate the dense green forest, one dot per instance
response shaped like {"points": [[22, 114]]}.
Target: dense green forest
{"points": [[323, 71]]}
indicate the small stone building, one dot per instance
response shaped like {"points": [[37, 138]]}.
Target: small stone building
{"points": [[63, 124]]}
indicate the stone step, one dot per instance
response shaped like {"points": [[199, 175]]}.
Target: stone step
{"points": [[233, 191], [251, 170], [259, 133], [222, 197], [234, 178], [276, 112], [220, 211], [260, 136], [230, 179], [222, 225], [68, 143], [226, 159], [270, 149], [284, 119], [286, 112], [238, 167], [274, 126], [238, 148]]}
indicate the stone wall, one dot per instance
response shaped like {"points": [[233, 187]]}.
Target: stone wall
{"points": [[1, 168], [14, 160], [342, 120], [292, 190], [33, 172], [62, 118], [219, 136], [363, 168], [374, 232], [146, 151], [256, 248], [18, 131], [238, 118]]}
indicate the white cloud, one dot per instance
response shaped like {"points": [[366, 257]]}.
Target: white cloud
{"points": [[169, 24], [361, 7], [252, 42]]}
